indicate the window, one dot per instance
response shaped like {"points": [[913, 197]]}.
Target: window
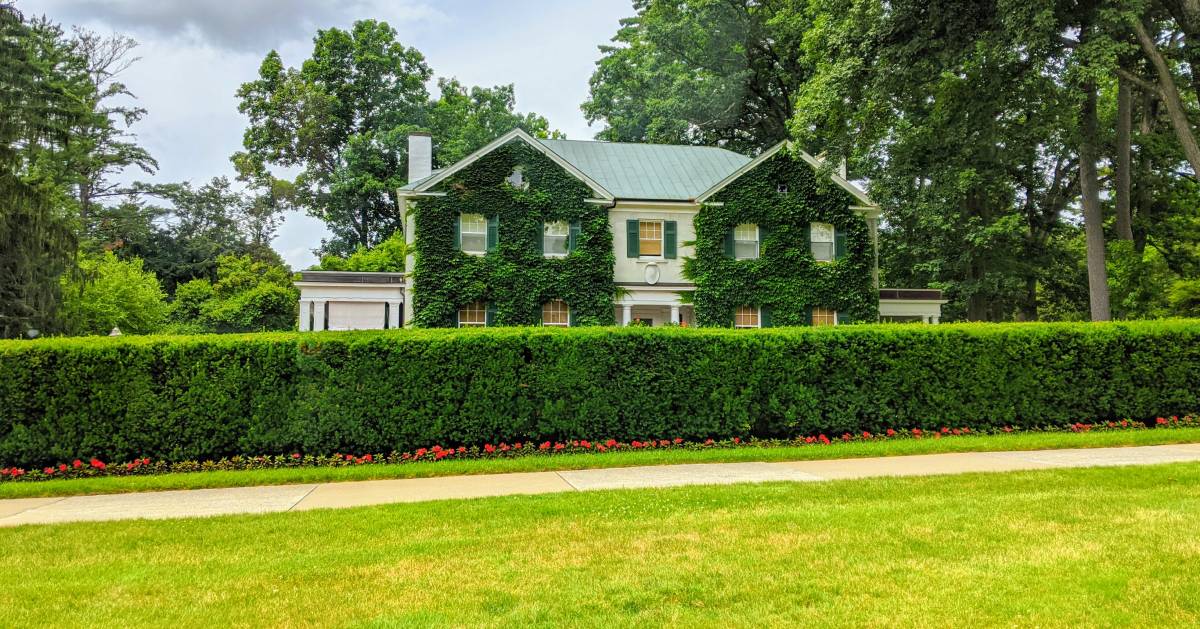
{"points": [[473, 233], [746, 317], [556, 313], [821, 238], [517, 179], [745, 242], [554, 238], [650, 238], [781, 188], [473, 314], [824, 316]]}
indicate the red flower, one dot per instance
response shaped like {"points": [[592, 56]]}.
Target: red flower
{"points": [[49, 470], [677, 441], [129, 466], [3, 471], [62, 467], [420, 452], [636, 444], [489, 448], [945, 430], [1008, 429], [77, 463], [866, 435], [436, 448], [664, 443], [440, 454], [610, 443], [558, 446], [601, 448], [517, 445], [1161, 420], [916, 432], [708, 442], [809, 439], [966, 430], [737, 440], [824, 439], [504, 447], [891, 433], [586, 444], [846, 436], [957, 431], [295, 455], [462, 449], [368, 458], [545, 446], [98, 464]]}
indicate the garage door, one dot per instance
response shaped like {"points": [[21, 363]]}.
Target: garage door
{"points": [[357, 315]]}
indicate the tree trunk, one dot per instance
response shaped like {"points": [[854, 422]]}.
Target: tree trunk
{"points": [[1124, 178], [1093, 219], [1170, 96]]}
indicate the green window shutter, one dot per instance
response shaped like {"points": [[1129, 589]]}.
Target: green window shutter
{"points": [[541, 239], [729, 242], [489, 315], [839, 243], [808, 316], [670, 239], [458, 232], [493, 232], [842, 319], [763, 232], [631, 238], [573, 236], [764, 316]]}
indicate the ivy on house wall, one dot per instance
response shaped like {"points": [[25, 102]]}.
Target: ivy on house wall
{"points": [[785, 278], [515, 279]]}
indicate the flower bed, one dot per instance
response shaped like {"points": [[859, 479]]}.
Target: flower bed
{"points": [[91, 468]]}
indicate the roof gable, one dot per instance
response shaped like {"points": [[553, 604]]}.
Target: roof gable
{"points": [[816, 163]]}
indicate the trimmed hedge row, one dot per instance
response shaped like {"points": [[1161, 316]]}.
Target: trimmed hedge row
{"points": [[198, 397]]}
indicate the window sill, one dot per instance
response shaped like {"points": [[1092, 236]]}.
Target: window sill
{"points": [[474, 253], [555, 255]]}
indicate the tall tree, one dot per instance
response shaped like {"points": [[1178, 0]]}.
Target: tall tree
{"points": [[342, 118], [38, 105], [702, 72]]}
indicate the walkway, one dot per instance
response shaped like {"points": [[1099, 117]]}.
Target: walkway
{"points": [[208, 502]]}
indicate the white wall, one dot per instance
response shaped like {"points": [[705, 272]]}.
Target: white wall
{"points": [[633, 270]]}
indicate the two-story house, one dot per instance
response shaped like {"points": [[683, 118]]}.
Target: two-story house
{"points": [[529, 231]]}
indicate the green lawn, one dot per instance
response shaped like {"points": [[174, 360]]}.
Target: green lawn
{"points": [[1082, 547], [977, 443]]}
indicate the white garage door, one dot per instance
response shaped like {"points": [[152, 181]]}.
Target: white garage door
{"points": [[356, 315]]}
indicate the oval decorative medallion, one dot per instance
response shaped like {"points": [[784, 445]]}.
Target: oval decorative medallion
{"points": [[652, 274]]}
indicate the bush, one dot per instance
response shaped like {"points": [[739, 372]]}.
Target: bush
{"points": [[112, 293], [185, 398]]}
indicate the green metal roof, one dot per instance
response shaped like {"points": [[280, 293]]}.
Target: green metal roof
{"points": [[660, 172]]}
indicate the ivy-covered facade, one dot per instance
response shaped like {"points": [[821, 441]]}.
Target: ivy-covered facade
{"points": [[556, 232]]}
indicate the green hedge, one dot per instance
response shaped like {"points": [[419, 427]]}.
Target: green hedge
{"points": [[177, 398]]}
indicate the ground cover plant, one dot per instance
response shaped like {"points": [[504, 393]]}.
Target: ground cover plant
{"points": [[208, 397], [1080, 547], [97, 477]]}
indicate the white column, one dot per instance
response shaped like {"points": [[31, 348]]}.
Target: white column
{"points": [[318, 314], [305, 313], [675, 314], [393, 313], [935, 319], [626, 314]]}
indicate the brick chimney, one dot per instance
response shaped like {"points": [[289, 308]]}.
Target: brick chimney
{"points": [[420, 155]]}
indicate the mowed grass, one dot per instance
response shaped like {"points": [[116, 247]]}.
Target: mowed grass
{"points": [[838, 450], [1081, 547]]}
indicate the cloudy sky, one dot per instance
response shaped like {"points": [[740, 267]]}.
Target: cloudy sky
{"points": [[195, 53]]}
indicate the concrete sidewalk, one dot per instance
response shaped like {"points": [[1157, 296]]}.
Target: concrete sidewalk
{"points": [[208, 502]]}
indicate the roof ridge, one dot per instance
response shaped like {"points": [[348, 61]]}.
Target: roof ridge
{"points": [[689, 146]]}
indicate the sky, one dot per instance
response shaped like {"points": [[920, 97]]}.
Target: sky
{"points": [[195, 54]]}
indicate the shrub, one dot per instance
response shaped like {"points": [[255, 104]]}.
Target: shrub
{"points": [[199, 397]]}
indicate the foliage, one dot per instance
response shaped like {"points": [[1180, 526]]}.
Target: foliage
{"points": [[387, 256], [516, 279], [784, 278], [248, 295], [112, 293], [462, 120], [375, 391], [144, 466], [38, 104], [702, 72]]}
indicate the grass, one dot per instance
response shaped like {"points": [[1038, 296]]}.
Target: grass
{"points": [[1081, 547], [855, 449]]}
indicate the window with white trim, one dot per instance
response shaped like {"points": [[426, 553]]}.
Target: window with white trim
{"points": [[746, 317], [554, 238], [473, 314], [650, 238], [556, 313], [745, 242], [824, 316], [472, 233], [821, 239]]}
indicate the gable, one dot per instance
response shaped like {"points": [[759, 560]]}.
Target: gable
{"points": [[766, 155]]}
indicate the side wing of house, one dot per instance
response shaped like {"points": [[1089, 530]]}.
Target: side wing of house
{"points": [[509, 236]]}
